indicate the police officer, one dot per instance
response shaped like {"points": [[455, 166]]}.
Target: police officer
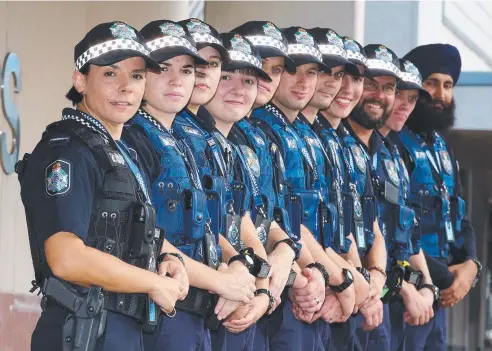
{"points": [[233, 99], [371, 109], [90, 220], [178, 194], [207, 78], [416, 298], [331, 132], [395, 213], [230, 177], [280, 239], [446, 233], [276, 118], [328, 85]]}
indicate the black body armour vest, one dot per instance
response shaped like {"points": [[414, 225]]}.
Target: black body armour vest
{"points": [[122, 224]]}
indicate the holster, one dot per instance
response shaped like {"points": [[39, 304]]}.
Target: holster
{"points": [[86, 320]]}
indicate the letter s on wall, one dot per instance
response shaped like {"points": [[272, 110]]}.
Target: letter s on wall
{"points": [[11, 69]]}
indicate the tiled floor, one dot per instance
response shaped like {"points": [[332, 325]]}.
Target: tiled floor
{"points": [[18, 317]]}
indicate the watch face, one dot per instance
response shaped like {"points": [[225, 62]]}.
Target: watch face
{"points": [[349, 275], [249, 260]]}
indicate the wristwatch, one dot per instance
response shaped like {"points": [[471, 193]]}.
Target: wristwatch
{"points": [[261, 268], [292, 245], [365, 273], [348, 279], [271, 300], [244, 259], [479, 270], [434, 289], [322, 269], [163, 255]]}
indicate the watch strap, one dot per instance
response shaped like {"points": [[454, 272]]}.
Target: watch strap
{"points": [[242, 259], [291, 244], [346, 281], [433, 288], [163, 255], [267, 292], [365, 273], [322, 269]]}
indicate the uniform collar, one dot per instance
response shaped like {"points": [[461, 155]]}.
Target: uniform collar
{"points": [[205, 118], [303, 119], [375, 140], [87, 121], [152, 120], [273, 109], [323, 121]]}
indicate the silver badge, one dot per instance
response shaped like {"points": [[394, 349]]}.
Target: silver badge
{"points": [[123, 31], [233, 234], [251, 160], [391, 171], [359, 157], [446, 161], [172, 29], [261, 231]]}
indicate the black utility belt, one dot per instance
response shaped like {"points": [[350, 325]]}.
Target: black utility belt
{"points": [[198, 301]]}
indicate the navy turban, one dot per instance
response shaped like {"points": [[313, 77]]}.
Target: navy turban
{"points": [[436, 58]]}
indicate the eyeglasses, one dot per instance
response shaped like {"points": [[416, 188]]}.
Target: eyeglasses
{"points": [[372, 86]]}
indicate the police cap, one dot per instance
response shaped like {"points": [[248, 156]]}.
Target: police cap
{"points": [[381, 61], [242, 54], [410, 78], [331, 46], [167, 39], [111, 42], [205, 35], [268, 39], [302, 47]]}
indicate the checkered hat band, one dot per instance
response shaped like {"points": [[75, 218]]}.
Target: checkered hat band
{"points": [[332, 50], [265, 40], [302, 49], [241, 56], [410, 78], [380, 64], [354, 55], [108, 46], [169, 40], [205, 38]]}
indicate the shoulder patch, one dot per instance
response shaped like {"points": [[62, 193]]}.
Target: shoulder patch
{"points": [[359, 157], [251, 160], [57, 178]]}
